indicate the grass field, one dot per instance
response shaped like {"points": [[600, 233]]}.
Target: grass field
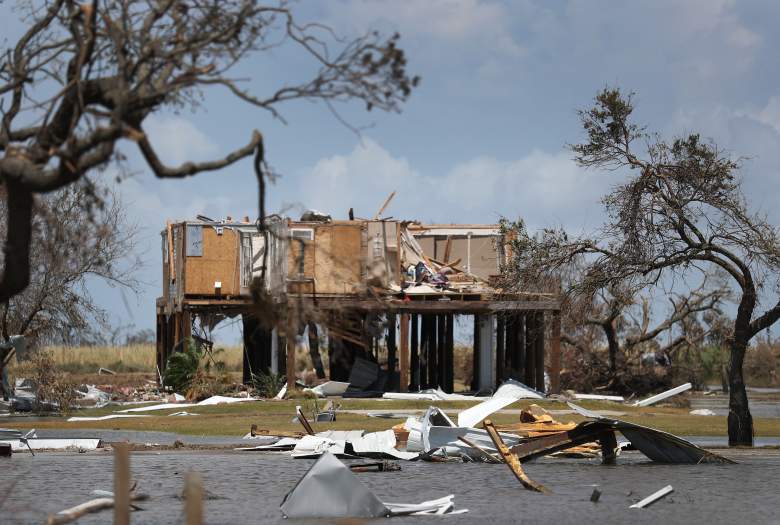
{"points": [[272, 415], [125, 359]]}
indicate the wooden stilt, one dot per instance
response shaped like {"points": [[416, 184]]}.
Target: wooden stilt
{"points": [[193, 493], [450, 354], [555, 353], [530, 350], [121, 484], [475, 356], [415, 355], [391, 350], [539, 351], [290, 336], [441, 351], [500, 346], [404, 351]]}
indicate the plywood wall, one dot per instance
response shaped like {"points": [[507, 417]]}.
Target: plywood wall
{"points": [[338, 258], [219, 262]]}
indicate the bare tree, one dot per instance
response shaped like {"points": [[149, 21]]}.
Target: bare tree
{"points": [[84, 76], [681, 209], [627, 320], [72, 247]]}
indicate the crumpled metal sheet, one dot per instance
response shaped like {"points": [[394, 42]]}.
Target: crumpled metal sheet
{"points": [[330, 490], [657, 445]]}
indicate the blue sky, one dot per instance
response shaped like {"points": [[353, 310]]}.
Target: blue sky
{"points": [[484, 135]]}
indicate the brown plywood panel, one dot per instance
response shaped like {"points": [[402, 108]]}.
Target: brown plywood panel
{"points": [[427, 245], [339, 258], [484, 258], [309, 257], [219, 262]]}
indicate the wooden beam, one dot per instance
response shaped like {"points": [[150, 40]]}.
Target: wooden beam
{"points": [[415, 357], [193, 493], [512, 462], [539, 350], [391, 349], [384, 206], [475, 356], [290, 332], [555, 353], [121, 484], [404, 351]]}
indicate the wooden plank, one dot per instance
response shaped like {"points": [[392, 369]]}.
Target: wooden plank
{"points": [[415, 354], [404, 353], [290, 332], [384, 206], [475, 356], [219, 263], [539, 351], [512, 462], [121, 484], [555, 353], [193, 502], [338, 258]]}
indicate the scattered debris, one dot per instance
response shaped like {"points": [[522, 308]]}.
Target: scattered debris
{"points": [[652, 498], [102, 371], [380, 466], [103, 418], [663, 395], [330, 388], [702, 412], [31, 443], [595, 495], [88, 507], [330, 490], [599, 397], [213, 400]]}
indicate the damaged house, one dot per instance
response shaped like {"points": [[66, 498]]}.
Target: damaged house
{"points": [[361, 282]]}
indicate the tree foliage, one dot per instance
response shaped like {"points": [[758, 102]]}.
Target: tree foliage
{"points": [[84, 76], [679, 209], [73, 246]]}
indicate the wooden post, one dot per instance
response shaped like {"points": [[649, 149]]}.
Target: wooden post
{"points": [[404, 372], [415, 357], [609, 445], [531, 333], [449, 350], [441, 351], [391, 350], [121, 484], [475, 356], [193, 494], [290, 336], [555, 353], [500, 346], [539, 350]]}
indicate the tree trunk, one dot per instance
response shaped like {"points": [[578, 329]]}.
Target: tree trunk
{"points": [[613, 346], [740, 422]]}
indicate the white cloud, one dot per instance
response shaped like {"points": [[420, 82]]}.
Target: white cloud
{"points": [[472, 25], [544, 189], [177, 140]]}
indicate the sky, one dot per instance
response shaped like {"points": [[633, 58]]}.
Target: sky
{"points": [[485, 134]]}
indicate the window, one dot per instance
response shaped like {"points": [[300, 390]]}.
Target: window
{"points": [[194, 240], [307, 234]]}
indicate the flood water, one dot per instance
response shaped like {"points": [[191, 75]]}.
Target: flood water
{"points": [[247, 487]]}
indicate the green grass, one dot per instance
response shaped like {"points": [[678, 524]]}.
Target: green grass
{"points": [[235, 420]]}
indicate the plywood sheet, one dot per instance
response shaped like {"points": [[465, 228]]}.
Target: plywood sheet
{"points": [[219, 262], [338, 258]]}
